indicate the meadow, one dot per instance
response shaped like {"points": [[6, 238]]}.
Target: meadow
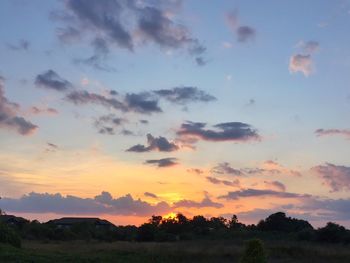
{"points": [[183, 251]]}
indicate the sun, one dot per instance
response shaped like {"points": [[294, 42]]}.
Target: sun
{"points": [[171, 215]]}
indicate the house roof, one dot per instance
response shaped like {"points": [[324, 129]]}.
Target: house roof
{"points": [[76, 220], [8, 218]]}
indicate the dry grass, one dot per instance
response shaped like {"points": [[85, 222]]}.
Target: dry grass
{"points": [[190, 251]]}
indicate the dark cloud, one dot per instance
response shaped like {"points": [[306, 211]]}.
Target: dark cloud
{"points": [[206, 202], [229, 131], [336, 177], [245, 33], [327, 209], [113, 92], [99, 57], [85, 97], [259, 193], [37, 111], [225, 168], [127, 132], [107, 124], [195, 171], [331, 132], [200, 61], [100, 204], [9, 117], [51, 147], [68, 35], [51, 80], [160, 144], [148, 194], [144, 121], [213, 180], [142, 102], [21, 45], [183, 95], [275, 185], [126, 24], [165, 162], [103, 16], [309, 47], [251, 102]]}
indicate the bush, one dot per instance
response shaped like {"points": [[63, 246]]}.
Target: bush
{"points": [[9, 236], [254, 252]]}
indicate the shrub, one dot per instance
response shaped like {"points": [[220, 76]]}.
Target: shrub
{"points": [[9, 236], [254, 252]]}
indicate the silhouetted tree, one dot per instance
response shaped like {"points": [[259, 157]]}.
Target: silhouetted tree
{"points": [[155, 220], [333, 233], [279, 222], [234, 224]]}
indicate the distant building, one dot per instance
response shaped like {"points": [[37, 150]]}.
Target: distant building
{"points": [[13, 220], [68, 222]]}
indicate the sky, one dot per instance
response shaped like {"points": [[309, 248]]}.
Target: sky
{"points": [[123, 109]]}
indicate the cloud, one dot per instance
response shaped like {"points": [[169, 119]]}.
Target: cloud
{"points": [[327, 209], [201, 61], [85, 97], [195, 171], [68, 35], [165, 162], [97, 60], [225, 168], [228, 131], [213, 180], [309, 47], [244, 33], [183, 95], [142, 102], [38, 111], [21, 45], [270, 167], [301, 63], [144, 121], [148, 194], [206, 202], [107, 124], [126, 24], [51, 80], [331, 132], [275, 185], [100, 204], [259, 193], [160, 144], [232, 19], [9, 118], [336, 177]]}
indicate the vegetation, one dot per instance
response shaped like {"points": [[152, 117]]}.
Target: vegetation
{"points": [[254, 252], [177, 239], [9, 236]]}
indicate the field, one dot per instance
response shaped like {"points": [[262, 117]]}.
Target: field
{"points": [[191, 251]]}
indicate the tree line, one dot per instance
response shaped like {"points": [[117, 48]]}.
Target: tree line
{"points": [[158, 229]]}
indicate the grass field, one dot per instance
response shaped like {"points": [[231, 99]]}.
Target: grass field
{"points": [[191, 251]]}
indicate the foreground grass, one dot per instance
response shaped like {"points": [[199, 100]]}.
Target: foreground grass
{"points": [[191, 251]]}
